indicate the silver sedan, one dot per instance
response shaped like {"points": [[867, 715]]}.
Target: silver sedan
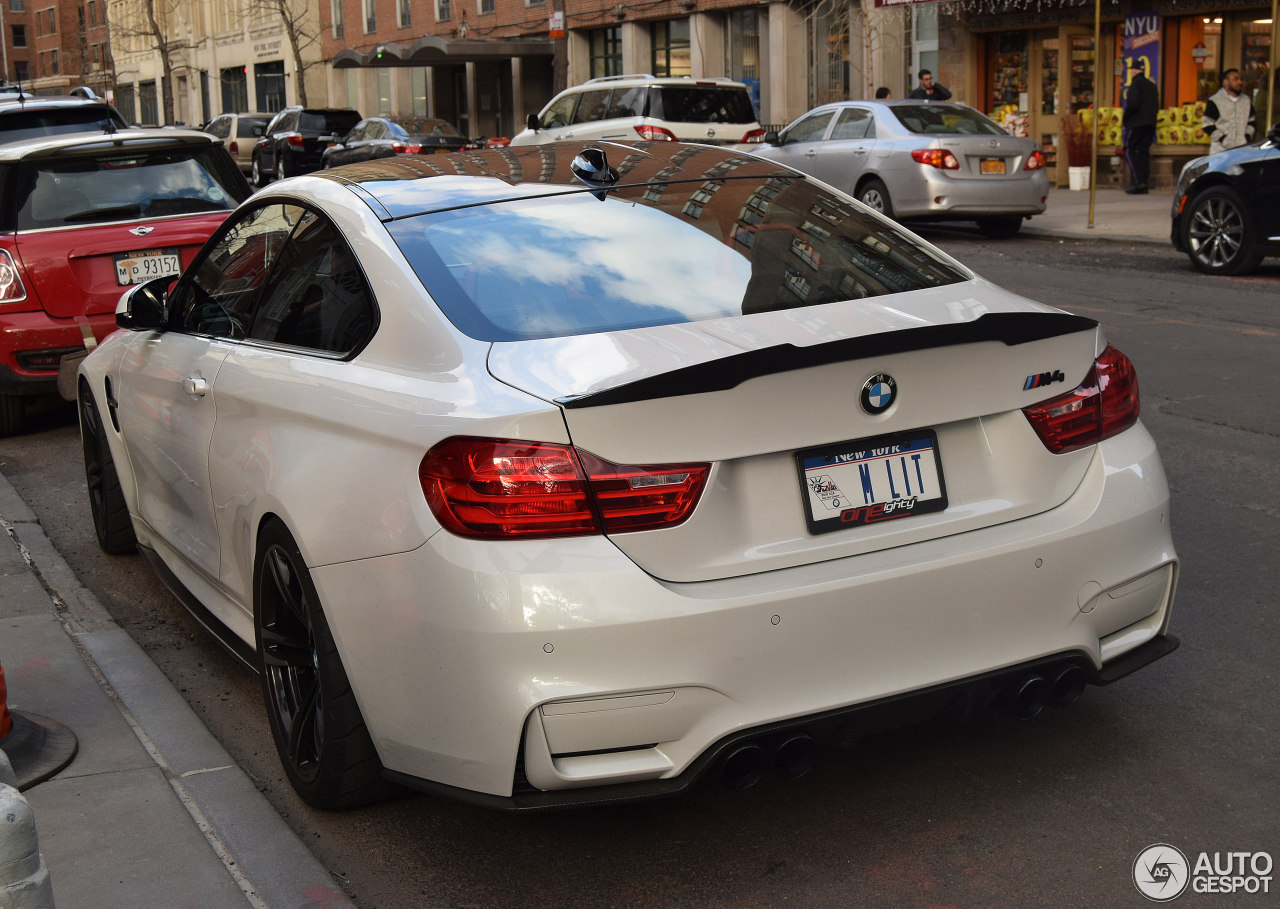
{"points": [[919, 159]]}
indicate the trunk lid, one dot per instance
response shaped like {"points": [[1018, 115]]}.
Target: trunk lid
{"points": [[749, 393]]}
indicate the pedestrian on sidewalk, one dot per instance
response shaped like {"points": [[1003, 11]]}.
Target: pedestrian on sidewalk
{"points": [[1228, 115], [928, 90], [1141, 105]]}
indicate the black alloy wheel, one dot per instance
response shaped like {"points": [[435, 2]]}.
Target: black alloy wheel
{"points": [[1218, 233], [111, 523], [318, 729]]}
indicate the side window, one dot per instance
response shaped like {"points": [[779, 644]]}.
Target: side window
{"points": [[318, 298], [560, 112], [854, 123], [375, 129], [810, 129], [358, 133], [593, 106], [627, 102], [219, 297], [287, 123], [249, 128], [220, 127]]}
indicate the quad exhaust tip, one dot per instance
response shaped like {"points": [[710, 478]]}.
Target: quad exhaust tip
{"points": [[790, 759]]}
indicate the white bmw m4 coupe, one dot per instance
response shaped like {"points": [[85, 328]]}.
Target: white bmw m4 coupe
{"points": [[574, 473]]}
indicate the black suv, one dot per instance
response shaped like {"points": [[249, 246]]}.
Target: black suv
{"points": [[27, 116], [295, 140]]}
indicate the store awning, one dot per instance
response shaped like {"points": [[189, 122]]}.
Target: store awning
{"points": [[434, 51]]}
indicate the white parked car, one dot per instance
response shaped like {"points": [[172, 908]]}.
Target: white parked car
{"points": [[632, 108], [565, 474], [919, 160]]}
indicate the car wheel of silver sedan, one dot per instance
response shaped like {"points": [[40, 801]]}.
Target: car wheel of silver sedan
{"points": [[1218, 233], [875, 195], [317, 726]]}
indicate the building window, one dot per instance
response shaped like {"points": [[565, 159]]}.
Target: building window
{"points": [[335, 13], [535, 2], [19, 36], [487, 6], [384, 91], [95, 57], [442, 10], [53, 63], [418, 86], [403, 17], [93, 13], [606, 52], [370, 17], [16, 6], [235, 88], [671, 50]]}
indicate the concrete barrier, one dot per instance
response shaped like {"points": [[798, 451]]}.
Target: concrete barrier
{"points": [[24, 877]]}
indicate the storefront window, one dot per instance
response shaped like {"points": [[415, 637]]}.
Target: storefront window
{"points": [[1255, 54], [1081, 72], [1009, 71], [829, 55], [1049, 76]]}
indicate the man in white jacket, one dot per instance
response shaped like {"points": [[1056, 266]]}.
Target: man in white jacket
{"points": [[1228, 115]]}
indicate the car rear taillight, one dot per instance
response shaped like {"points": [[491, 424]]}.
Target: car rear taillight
{"points": [[936, 157], [755, 135], [11, 287], [1105, 404], [503, 489], [295, 140], [402, 149], [1035, 160], [655, 133], [234, 147]]}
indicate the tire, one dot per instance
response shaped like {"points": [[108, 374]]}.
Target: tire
{"points": [[875, 195], [257, 177], [111, 523], [1000, 228], [319, 732], [1218, 233], [13, 414]]}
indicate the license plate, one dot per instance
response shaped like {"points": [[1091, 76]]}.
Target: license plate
{"points": [[136, 267], [868, 481], [991, 165]]}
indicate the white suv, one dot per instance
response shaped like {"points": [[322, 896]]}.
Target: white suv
{"points": [[630, 108]]}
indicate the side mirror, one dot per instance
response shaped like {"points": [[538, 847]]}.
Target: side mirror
{"points": [[772, 138], [531, 122], [143, 307]]}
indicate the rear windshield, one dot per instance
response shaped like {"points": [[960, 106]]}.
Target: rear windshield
{"points": [[121, 185], [53, 121], [337, 122], [424, 126], [930, 118], [700, 104], [657, 254], [250, 127]]}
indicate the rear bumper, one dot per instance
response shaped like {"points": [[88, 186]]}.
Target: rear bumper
{"points": [[940, 196], [31, 344], [467, 659]]}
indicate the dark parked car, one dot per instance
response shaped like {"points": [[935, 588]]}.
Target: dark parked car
{"points": [[383, 137], [295, 140], [1226, 211], [27, 116]]}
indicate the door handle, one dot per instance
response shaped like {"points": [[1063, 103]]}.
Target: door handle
{"points": [[195, 386], [811, 154]]}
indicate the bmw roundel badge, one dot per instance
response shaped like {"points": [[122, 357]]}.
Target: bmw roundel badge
{"points": [[878, 394]]}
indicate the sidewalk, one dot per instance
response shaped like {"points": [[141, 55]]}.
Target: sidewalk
{"points": [[151, 812], [1116, 216]]}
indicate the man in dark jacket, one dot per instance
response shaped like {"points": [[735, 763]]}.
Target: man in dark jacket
{"points": [[1141, 105], [928, 90]]}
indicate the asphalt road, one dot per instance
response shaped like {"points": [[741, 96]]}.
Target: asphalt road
{"points": [[995, 813]]}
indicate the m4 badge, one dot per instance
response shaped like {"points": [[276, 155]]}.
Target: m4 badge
{"points": [[1044, 378]]}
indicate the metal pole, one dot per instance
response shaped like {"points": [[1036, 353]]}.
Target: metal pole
{"points": [[1097, 65], [1272, 106]]}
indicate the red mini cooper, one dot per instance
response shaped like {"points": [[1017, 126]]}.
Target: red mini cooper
{"points": [[82, 217]]}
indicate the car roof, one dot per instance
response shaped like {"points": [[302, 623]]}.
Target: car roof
{"points": [[410, 185], [25, 100], [627, 81], [89, 142]]}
